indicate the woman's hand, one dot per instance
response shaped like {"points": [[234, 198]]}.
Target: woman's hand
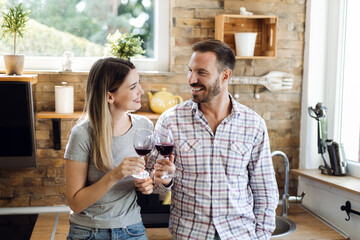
{"points": [[80, 196], [128, 166], [145, 186], [161, 167]]}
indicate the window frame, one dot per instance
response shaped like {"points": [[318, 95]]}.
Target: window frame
{"points": [[160, 62], [323, 76]]}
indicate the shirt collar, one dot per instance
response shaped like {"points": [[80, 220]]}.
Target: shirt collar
{"points": [[235, 106], [234, 111]]}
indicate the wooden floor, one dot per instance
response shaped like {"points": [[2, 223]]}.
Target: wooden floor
{"points": [[55, 226]]}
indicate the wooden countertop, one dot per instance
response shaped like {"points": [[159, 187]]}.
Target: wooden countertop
{"points": [[308, 227], [32, 78], [347, 183], [56, 226]]}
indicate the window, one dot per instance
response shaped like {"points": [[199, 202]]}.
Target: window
{"points": [[81, 26], [330, 77], [349, 97]]}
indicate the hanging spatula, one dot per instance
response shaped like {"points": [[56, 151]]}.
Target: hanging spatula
{"points": [[273, 81]]}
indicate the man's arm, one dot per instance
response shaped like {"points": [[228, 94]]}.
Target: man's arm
{"points": [[263, 184]]}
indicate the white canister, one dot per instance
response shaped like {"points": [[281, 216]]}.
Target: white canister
{"points": [[64, 98], [245, 44]]}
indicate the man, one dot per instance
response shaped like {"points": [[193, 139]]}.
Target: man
{"points": [[226, 186]]}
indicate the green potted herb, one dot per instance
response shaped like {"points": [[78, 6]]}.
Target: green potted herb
{"points": [[14, 22], [123, 45]]}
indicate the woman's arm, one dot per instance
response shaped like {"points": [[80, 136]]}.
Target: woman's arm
{"points": [[81, 196]]}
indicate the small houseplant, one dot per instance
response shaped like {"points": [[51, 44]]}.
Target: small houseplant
{"points": [[124, 45], [14, 22]]}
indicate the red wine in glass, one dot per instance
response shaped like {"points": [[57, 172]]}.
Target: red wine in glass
{"points": [[164, 144], [143, 143], [165, 149], [142, 151]]}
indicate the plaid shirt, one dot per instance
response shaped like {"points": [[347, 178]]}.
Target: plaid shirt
{"points": [[226, 181]]}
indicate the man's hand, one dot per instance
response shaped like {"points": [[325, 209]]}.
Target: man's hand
{"points": [[162, 167], [145, 186]]}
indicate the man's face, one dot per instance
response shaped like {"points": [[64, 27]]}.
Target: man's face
{"points": [[204, 77]]}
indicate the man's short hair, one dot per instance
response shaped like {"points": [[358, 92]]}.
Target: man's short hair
{"points": [[224, 54]]}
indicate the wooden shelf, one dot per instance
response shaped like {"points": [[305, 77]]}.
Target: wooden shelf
{"points": [[56, 121], [32, 78], [347, 183], [226, 25], [151, 116], [49, 114], [77, 114]]}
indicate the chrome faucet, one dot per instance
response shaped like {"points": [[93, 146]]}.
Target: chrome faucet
{"points": [[287, 199]]}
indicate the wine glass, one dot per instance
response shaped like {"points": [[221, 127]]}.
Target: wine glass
{"points": [[164, 144], [143, 144]]}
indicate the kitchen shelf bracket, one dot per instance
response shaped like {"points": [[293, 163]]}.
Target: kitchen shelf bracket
{"points": [[56, 122]]}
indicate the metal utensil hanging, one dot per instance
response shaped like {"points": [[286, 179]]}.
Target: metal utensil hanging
{"points": [[272, 81]]}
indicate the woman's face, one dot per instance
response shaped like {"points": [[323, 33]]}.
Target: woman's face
{"points": [[128, 95]]}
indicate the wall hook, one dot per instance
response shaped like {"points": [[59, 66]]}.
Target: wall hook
{"points": [[256, 94], [348, 210]]}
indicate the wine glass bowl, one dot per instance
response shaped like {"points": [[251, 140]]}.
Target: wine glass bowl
{"points": [[164, 149], [143, 144], [164, 144]]}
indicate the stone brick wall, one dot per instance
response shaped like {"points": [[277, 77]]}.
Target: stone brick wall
{"points": [[191, 21]]}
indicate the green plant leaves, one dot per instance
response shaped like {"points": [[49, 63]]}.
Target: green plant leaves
{"points": [[14, 22], [124, 45]]}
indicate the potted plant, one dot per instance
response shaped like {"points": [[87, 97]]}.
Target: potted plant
{"points": [[14, 22], [123, 45]]}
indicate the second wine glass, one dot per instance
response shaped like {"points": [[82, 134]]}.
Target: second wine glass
{"points": [[164, 144], [143, 144]]}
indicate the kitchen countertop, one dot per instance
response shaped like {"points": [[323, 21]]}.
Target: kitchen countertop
{"points": [[346, 183], [308, 227]]}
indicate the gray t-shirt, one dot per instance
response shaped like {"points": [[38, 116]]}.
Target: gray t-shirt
{"points": [[118, 207]]}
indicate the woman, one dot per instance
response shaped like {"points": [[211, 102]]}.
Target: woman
{"points": [[100, 158]]}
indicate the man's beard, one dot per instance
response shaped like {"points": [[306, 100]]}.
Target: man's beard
{"points": [[210, 92]]}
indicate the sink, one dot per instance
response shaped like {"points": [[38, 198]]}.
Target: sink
{"points": [[284, 226]]}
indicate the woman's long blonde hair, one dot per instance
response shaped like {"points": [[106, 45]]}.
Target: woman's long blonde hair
{"points": [[106, 75]]}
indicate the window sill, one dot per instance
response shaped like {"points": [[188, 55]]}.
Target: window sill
{"points": [[346, 183]]}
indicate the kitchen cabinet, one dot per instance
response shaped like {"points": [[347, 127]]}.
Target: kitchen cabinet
{"points": [[17, 138], [326, 195], [226, 25]]}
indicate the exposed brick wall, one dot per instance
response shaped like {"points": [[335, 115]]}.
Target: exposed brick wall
{"points": [[191, 21]]}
